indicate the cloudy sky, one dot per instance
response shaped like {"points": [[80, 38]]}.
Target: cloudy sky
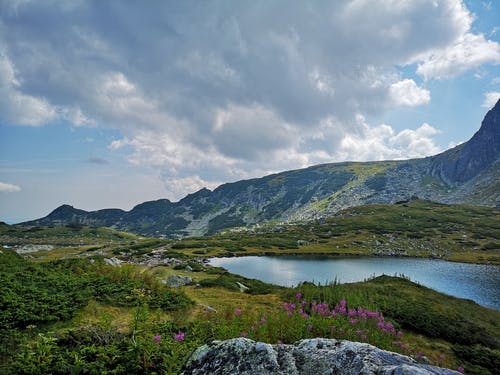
{"points": [[111, 103]]}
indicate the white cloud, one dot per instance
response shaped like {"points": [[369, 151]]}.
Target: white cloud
{"points": [[203, 94], [176, 188], [490, 99], [467, 52], [17, 107], [415, 143], [251, 132], [406, 92], [382, 142], [8, 188]]}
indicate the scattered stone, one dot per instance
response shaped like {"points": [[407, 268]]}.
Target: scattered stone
{"points": [[306, 357], [210, 309], [302, 242], [243, 288], [176, 281], [114, 262], [30, 248], [424, 360], [197, 286], [157, 260], [189, 268]]}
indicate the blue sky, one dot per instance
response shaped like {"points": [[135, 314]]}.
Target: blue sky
{"points": [[109, 104]]}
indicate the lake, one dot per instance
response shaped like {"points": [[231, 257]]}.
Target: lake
{"points": [[478, 282]]}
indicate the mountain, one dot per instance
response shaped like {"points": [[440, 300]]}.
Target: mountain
{"points": [[468, 173]]}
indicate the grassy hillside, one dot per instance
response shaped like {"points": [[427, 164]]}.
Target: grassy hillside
{"points": [[415, 228], [72, 234]]}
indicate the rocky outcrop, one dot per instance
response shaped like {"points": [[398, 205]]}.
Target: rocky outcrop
{"points": [[313, 356], [176, 281], [462, 163]]}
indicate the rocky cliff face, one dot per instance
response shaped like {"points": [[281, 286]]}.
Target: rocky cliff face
{"points": [[306, 357], [468, 173], [469, 159]]}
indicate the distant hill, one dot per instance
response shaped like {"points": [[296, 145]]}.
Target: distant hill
{"points": [[468, 173]]}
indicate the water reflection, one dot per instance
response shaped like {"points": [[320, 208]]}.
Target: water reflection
{"points": [[480, 283]]}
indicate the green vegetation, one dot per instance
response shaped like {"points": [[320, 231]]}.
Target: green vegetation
{"points": [[66, 311], [415, 228], [69, 235], [83, 316]]}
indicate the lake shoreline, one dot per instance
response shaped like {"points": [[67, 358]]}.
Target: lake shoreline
{"points": [[350, 255], [477, 282]]}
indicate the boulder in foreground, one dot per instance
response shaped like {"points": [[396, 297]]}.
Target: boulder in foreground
{"points": [[312, 356]]}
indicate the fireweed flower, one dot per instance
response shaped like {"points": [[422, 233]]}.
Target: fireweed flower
{"points": [[237, 312], [244, 334], [298, 296], [179, 336], [157, 338]]}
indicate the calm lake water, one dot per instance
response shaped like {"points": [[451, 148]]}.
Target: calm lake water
{"points": [[480, 283]]}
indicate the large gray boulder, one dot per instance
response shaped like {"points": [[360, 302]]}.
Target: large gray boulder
{"points": [[313, 356], [176, 281]]}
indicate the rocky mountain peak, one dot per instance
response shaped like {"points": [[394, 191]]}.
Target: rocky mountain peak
{"points": [[64, 210], [469, 159]]}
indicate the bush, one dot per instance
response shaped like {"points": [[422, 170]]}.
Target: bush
{"points": [[229, 281], [36, 293]]}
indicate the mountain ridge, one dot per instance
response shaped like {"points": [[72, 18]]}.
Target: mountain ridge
{"points": [[468, 173]]}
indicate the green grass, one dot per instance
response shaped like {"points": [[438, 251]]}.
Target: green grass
{"points": [[416, 228], [87, 317], [63, 235], [79, 315]]}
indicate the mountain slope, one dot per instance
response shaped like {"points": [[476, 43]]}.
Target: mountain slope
{"points": [[468, 173]]}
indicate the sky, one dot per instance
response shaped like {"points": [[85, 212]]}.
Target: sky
{"points": [[111, 103]]}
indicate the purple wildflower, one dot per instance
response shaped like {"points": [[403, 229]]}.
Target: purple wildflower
{"points": [[179, 336], [157, 338]]}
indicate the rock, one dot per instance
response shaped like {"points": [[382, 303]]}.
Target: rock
{"points": [[210, 309], [189, 268], [30, 248], [115, 262], [312, 356], [175, 281], [243, 288], [198, 286]]}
